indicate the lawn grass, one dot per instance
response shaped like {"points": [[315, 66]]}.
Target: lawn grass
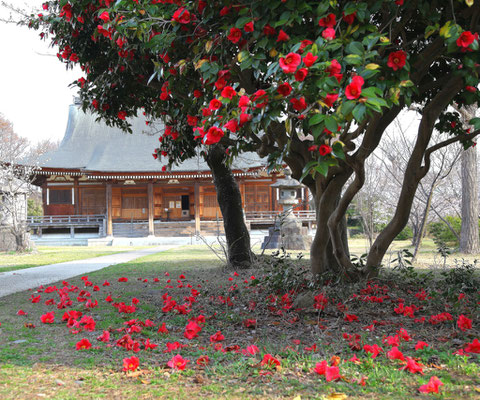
{"points": [[42, 362], [44, 255]]}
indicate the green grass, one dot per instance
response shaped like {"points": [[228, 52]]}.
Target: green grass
{"points": [[46, 365], [44, 255]]}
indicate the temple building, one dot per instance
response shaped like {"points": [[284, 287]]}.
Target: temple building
{"points": [[100, 171]]}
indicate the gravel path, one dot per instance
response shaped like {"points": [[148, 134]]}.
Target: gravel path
{"points": [[17, 281]]}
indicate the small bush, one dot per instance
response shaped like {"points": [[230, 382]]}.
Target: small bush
{"points": [[405, 234], [442, 233]]}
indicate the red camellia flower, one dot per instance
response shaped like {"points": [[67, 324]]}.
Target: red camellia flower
{"points": [[330, 99], [48, 318], [191, 120], [471, 89], [260, 97], [217, 337], [282, 36], [284, 89], [335, 70], [473, 347], [122, 115], [328, 22], [395, 354], [350, 317], [244, 118], [21, 312], [130, 364], [231, 125], [269, 361], [248, 27], [178, 363], [464, 323], [332, 374], [197, 94], [301, 74], [123, 279], [83, 344], [235, 35], [374, 350], [299, 104], [309, 59], [354, 89], [350, 18], [290, 62], [214, 134], [203, 361], [104, 337], [325, 149], [412, 366], [182, 16], [465, 40], [328, 34], [191, 330], [420, 345], [269, 30], [432, 386], [396, 60], [104, 16], [215, 104], [228, 92]]}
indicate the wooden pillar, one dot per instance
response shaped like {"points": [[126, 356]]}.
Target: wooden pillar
{"points": [[76, 207], [196, 205], [44, 198], [109, 209], [151, 228]]}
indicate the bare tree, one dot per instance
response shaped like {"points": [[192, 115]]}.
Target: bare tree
{"points": [[469, 240], [15, 184], [432, 193]]}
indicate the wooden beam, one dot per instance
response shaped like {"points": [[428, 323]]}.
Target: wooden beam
{"points": [[108, 197], [151, 211], [76, 208], [197, 207], [44, 198]]}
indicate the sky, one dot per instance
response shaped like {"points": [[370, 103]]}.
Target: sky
{"points": [[34, 92]]}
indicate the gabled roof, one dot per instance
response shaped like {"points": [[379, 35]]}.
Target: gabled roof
{"points": [[92, 146]]}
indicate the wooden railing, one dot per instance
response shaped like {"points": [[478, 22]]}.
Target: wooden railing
{"points": [[64, 219], [303, 215]]}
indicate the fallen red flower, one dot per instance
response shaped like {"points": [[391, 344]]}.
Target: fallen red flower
{"points": [[432, 386]]}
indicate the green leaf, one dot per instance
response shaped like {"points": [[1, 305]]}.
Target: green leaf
{"points": [[355, 48], [353, 59], [475, 122], [359, 112], [337, 150], [322, 168], [347, 107], [306, 169], [242, 21], [371, 91], [316, 119], [331, 124]]}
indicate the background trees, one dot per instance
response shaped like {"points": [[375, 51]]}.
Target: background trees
{"points": [[18, 162], [312, 84]]}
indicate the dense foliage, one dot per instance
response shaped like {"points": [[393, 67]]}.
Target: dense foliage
{"points": [[313, 84]]}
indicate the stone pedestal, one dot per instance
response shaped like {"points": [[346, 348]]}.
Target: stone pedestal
{"points": [[289, 234]]}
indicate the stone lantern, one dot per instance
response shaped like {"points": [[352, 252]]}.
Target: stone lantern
{"points": [[288, 231]]}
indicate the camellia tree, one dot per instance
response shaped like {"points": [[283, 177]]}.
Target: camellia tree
{"points": [[311, 84]]}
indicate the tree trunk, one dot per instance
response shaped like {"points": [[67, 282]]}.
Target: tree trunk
{"points": [[230, 201], [469, 241], [322, 252], [423, 225]]}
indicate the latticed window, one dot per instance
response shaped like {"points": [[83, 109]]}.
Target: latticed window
{"points": [[60, 196]]}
